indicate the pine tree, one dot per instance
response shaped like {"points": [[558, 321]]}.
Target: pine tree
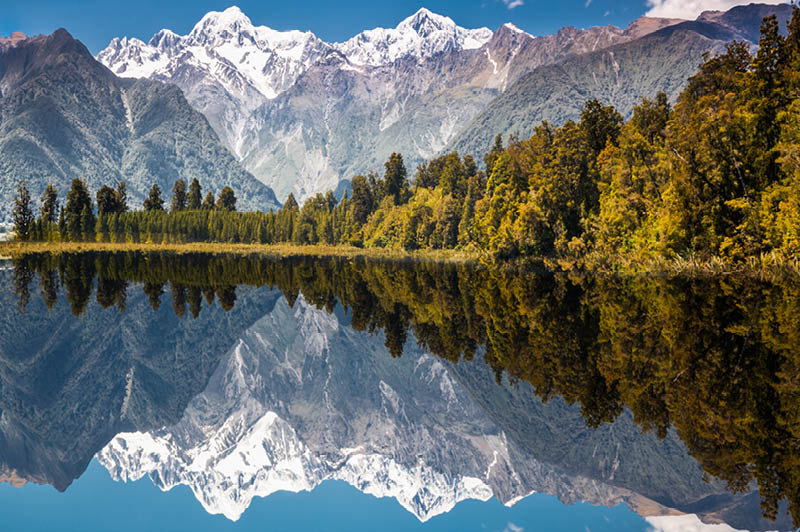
{"points": [[208, 203], [106, 200], [494, 153], [226, 200], [122, 197], [178, 196], [88, 223], [50, 204], [22, 213], [195, 197], [78, 199], [396, 179], [154, 202]]}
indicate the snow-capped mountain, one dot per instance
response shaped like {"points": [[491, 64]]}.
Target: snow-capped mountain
{"points": [[303, 114], [422, 35], [303, 398]]}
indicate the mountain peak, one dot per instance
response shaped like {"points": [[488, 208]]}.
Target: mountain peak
{"points": [[425, 22], [232, 20]]}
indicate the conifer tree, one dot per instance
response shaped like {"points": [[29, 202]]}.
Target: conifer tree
{"points": [[50, 204], [226, 200], [178, 196], [208, 202], [195, 197], [122, 197], [22, 212], [396, 179], [78, 199], [154, 202], [106, 200]]}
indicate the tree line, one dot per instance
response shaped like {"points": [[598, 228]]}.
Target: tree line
{"points": [[715, 175]]}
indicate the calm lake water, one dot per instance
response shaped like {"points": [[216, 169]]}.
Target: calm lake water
{"points": [[191, 392]]}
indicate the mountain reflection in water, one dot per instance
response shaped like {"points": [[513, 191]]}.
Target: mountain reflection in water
{"points": [[665, 394]]}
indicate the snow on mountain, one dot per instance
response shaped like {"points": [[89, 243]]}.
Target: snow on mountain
{"points": [[424, 34], [301, 399], [227, 47]]}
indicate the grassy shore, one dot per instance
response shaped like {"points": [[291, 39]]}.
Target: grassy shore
{"points": [[17, 249], [767, 266]]}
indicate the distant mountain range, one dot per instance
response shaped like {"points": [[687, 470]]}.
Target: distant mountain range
{"points": [[64, 115], [302, 114], [288, 112]]}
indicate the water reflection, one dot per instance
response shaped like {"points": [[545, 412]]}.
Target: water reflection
{"points": [[707, 366]]}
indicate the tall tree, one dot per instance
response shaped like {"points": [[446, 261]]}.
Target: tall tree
{"points": [[78, 198], [50, 204], [154, 202], [178, 196], [208, 202], [226, 200], [395, 180], [122, 197], [601, 124], [22, 212], [195, 197], [106, 201]]}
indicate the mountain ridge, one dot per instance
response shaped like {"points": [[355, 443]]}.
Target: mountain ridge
{"points": [[64, 115]]}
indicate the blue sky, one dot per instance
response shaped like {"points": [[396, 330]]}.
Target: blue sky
{"points": [[94, 502], [95, 22]]}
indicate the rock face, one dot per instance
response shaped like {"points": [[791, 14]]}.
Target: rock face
{"points": [[620, 74], [303, 398], [64, 115], [302, 114]]}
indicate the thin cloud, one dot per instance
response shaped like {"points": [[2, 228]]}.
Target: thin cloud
{"points": [[691, 9], [511, 4], [588, 3]]}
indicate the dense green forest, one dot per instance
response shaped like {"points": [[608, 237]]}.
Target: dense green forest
{"points": [[715, 358], [717, 175]]}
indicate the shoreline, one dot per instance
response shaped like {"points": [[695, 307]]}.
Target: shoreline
{"points": [[18, 249], [766, 266]]}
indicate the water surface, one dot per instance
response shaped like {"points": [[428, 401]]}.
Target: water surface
{"points": [[343, 392]]}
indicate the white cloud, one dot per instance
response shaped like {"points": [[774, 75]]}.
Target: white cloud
{"points": [[684, 523], [511, 4], [588, 3], [691, 9], [511, 527]]}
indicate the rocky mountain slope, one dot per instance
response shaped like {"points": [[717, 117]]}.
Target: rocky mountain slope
{"points": [[303, 114], [287, 410], [64, 115], [620, 75]]}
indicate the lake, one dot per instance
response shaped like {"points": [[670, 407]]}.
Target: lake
{"points": [[184, 392]]}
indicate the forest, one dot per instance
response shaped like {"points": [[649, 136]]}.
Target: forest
{"points": [[717, 175]]}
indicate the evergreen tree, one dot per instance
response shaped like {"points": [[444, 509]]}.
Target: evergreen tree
{"points": [[122, 197], [396, 179], [78, 199], [88, 223], [208, 202], [226, 200], [106, 201], [154, 202], [178, 196], [361, 202], [195, 197], [494, 153], [50, 205], [601, 124], [22, 213]]}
